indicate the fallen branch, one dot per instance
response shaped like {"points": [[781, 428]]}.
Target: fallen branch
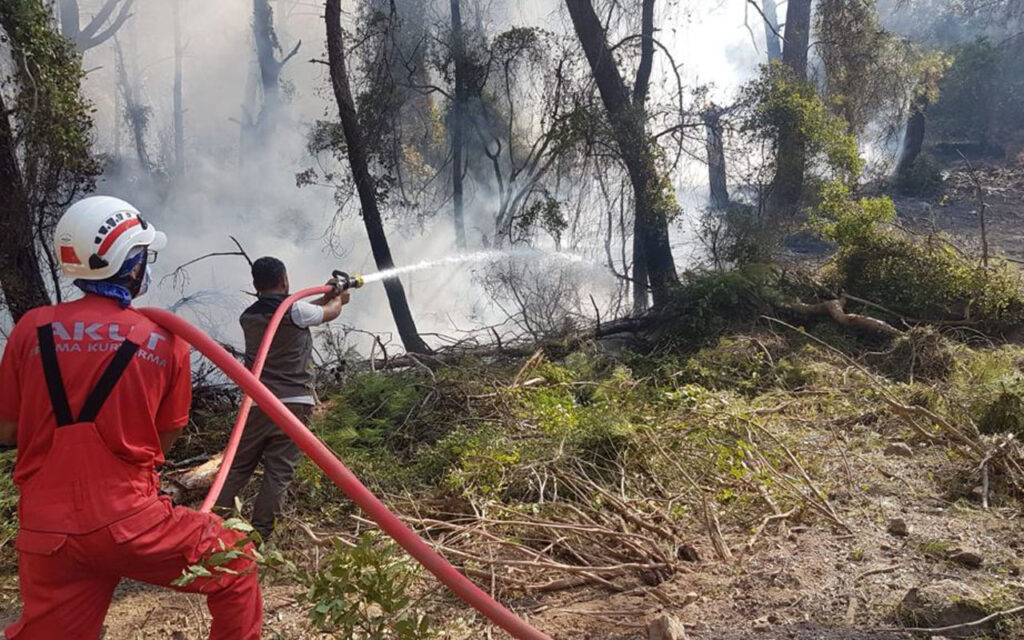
{"points": [[835, 310], [966, 625]]}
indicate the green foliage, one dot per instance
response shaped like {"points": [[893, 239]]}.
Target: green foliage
{"points": [[734, 362], [708, 302], [53, 120], [783, 101], [216, 563], [365, 591], [845, 221], [1004, 414], [877, 263], [968, 93], [546, 213], [376, 409], [868, 70]]}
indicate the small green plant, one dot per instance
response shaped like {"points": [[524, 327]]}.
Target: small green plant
{"points": [[225, 560], [364, 591], [1004, 413], [935, 548]]}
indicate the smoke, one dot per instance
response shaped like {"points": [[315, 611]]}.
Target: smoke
{"points": [[229, 191]]}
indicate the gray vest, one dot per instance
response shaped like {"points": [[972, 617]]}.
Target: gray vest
{"points": [[288, 372]]}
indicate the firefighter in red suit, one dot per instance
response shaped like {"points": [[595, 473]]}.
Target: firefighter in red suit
{"points": [[93, 394]]}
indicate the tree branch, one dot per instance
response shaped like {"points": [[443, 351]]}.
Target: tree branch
{"points": [[86, 42]]}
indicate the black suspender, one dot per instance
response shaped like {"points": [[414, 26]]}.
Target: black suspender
{"points": [[54, 382], [98, 396]]}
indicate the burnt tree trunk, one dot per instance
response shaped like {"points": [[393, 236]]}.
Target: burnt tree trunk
{"points": [[638, 155], [458, 123], [136, 114], [791, 153], [771, 30], [20, 276], [267, 48], [913, 140], [365, 184], [715, 147]]}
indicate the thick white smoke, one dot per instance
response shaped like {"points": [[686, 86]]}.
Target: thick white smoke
{"points": [[255, 199]]}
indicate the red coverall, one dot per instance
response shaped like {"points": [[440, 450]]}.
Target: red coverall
{"points": [[90, 386]]}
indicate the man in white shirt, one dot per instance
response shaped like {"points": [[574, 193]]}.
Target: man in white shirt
{"points": [[289, 375]]}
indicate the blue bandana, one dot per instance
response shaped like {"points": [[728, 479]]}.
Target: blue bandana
{"points": [[116, 286]]}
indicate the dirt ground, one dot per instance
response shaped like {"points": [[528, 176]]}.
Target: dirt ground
{"points": [[799, 582], [796, 581]]}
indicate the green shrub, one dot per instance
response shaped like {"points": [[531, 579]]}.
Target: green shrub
{"points": [[742, 363], [708, 302], [365, 592], [1004, 413], [372, 410], [927, 280]]}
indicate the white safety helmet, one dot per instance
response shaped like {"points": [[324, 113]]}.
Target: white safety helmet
{"points": [[96, 235]]}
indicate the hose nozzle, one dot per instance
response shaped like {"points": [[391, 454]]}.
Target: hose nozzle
{"points": [[346, 281]]}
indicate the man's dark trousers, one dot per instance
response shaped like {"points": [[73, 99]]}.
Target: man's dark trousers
{"points": [[262, 441]]}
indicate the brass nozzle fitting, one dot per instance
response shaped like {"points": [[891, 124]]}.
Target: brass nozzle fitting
{"points": [[346, 281]]}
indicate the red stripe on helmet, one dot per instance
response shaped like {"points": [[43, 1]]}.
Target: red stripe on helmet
{"points": [[116, 233], [68, 255]]}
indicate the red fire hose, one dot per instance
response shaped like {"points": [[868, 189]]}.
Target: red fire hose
{"points": [[257, 371], [346, 481]]}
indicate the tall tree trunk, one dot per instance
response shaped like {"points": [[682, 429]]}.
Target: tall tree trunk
{"points": [[270, 71], [771, 30], [787, 187], [70, 19], [365, 185], [20, 276], [716, 158], [643, 71], [458, 123], [641, 276], [636, 149], [179, 115], [913, 139], [136, 114], [267, 44]]}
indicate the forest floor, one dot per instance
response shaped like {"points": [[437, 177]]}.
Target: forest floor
{"points": [[761, 487]]}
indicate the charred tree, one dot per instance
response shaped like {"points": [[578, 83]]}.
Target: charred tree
{"points": [[268, 48], [99, 29], [628, 120], [459, 114], [913, 140], [136, 114], [20, 275], [715, 147], [365, 184], [791, 155]]}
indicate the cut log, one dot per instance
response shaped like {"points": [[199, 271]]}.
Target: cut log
{"points": [[184, 484]]}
